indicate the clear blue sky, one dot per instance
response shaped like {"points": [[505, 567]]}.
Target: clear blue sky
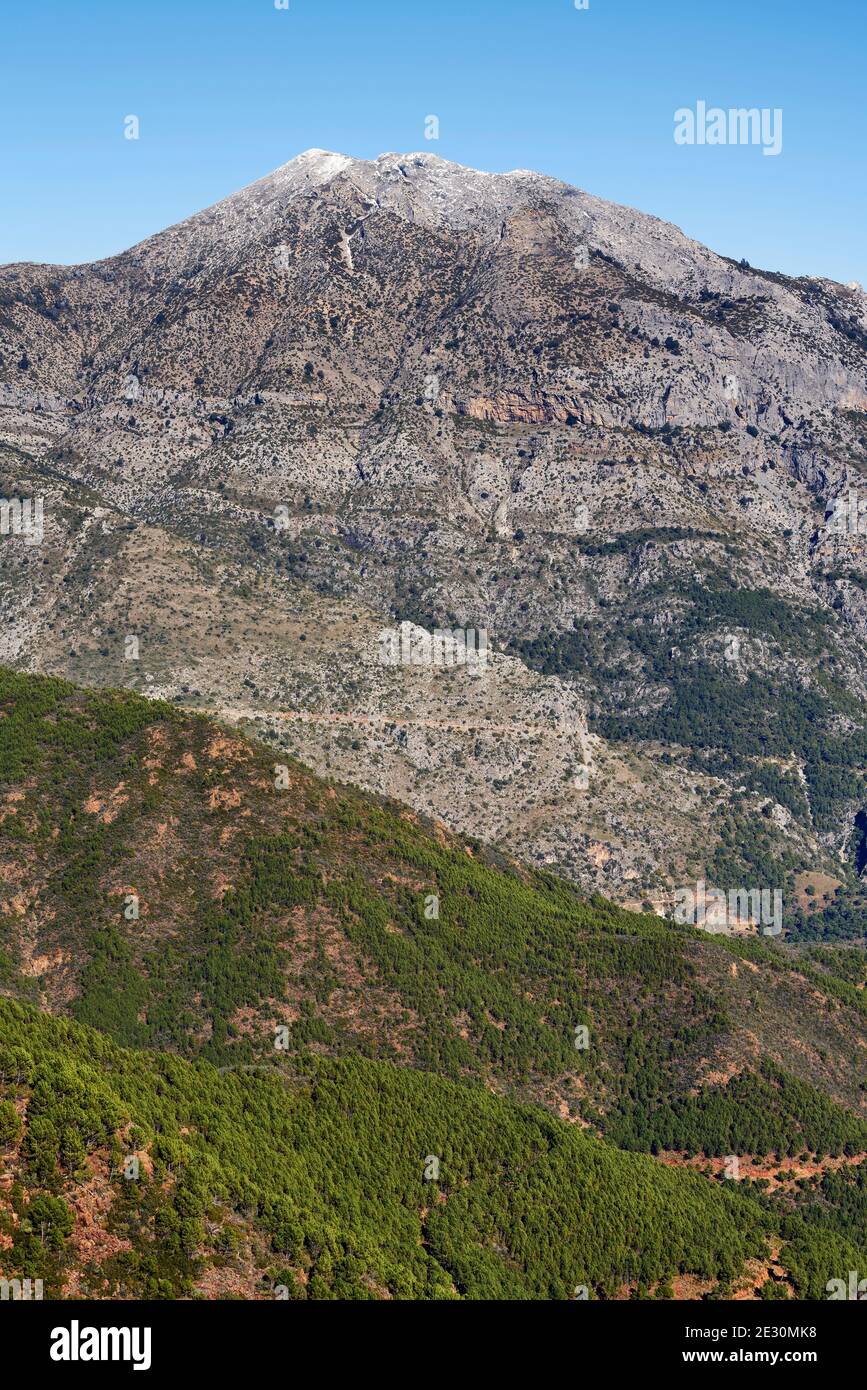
{"points": [[226, 90]]}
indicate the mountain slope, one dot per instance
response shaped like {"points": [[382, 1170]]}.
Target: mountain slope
{"points": [[378, 1099], [362, 393], [165, 881]]}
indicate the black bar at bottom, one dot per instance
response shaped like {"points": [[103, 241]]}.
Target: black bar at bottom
{"points": [[230, 1337]]}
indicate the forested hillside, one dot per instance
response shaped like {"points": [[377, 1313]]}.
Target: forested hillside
{"points": [[314, 1178], [346, 1179], [358, 1056]]}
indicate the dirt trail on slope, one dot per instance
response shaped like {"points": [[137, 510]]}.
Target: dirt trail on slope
{"points": [[380, 720]]}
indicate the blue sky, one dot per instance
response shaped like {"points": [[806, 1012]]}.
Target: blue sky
{"points": [[226, 90]]}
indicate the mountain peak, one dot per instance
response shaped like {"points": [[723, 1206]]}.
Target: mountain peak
{"points": [[326, 161]]}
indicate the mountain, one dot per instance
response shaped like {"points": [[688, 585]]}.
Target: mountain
{"points": [[358, 395], [354, 1055]]}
